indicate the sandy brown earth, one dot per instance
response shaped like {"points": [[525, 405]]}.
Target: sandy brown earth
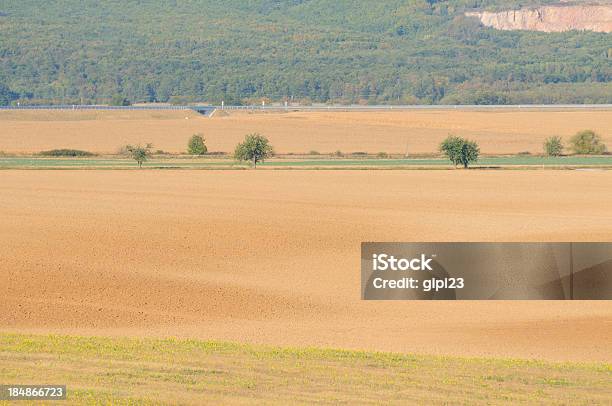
{"points": [[274, 256], [413, 132]]}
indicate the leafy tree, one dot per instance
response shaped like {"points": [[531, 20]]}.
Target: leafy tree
{"points": [[255, 148], [460, 151], [139, 153], [553, 146], [196, 145], [587, 142]]}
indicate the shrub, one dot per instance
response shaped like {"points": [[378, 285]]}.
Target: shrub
{"points": [[338, 154], [359, 154], [587, 143], [118, 100], [196, 145], [382, 155], [460, 151], [553, 146], [255, 148], [313, 152], [66, 153]]}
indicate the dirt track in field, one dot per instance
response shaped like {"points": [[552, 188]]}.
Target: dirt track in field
{"points": [[413, 132], [274, 256]]}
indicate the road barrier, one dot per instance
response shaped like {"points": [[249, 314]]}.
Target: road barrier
{"points": [[207, 110]]}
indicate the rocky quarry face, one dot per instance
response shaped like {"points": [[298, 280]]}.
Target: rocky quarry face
{"points": [[557, 18]]}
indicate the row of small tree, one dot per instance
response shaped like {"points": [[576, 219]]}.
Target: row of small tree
{"points": [[464, 152], [583, 143], [254, 149]]}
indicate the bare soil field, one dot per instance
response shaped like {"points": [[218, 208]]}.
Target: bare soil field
{"points": [[273, 257], [400, 132]]}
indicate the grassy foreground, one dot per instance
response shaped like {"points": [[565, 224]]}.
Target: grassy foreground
{"points": [[161, 371]]}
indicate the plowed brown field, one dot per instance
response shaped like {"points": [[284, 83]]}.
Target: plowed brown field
{"points": [[414, 132], [274, 256]]}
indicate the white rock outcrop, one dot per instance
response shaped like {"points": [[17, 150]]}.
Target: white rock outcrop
{"points": [[559, 18]]}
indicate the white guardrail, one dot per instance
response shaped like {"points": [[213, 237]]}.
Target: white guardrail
{"points": [[209, 109]]}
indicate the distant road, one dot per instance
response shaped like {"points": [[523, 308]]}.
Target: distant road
{"points": [[424, 107], [207, 110]]}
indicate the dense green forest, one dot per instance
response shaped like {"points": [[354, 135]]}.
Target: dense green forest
{"points": [[240, 51]]}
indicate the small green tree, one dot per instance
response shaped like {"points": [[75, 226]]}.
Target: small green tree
{"points": [[460, 151], [553, 146], [255, 148], [587, 142], [196, 145], [139, 153]]}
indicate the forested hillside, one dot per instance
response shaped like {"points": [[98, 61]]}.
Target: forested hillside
{"points": [[344, 51]]}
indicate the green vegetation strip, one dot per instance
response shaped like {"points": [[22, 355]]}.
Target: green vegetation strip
{"points": [[119, 163], [42, 163], [159, 371], [494, 161]]}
